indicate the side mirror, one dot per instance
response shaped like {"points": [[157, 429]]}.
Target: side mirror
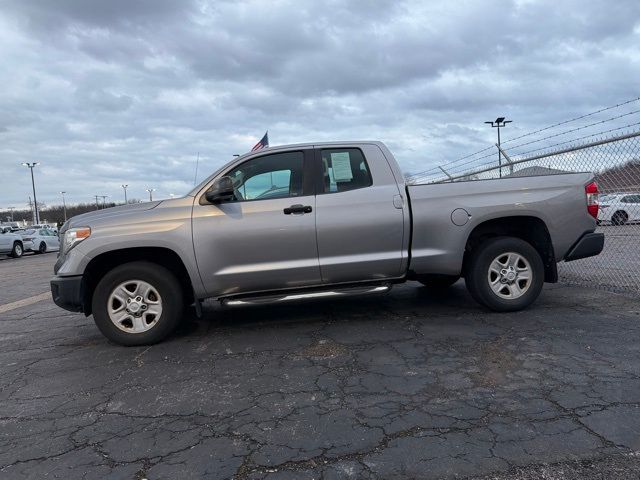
{"points": [[220, 191]]}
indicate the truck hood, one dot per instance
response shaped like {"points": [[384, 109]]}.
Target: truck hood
{"points": [[108, 214]]}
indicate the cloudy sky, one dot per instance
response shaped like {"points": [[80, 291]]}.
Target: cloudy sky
{"points": [[123, 91]]}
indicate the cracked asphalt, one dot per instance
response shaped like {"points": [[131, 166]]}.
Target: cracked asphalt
{"points": [[412, 384]]}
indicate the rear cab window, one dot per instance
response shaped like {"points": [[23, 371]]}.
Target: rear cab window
{"points": [[344, 169]]}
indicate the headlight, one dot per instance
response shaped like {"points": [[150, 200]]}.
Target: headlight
{"points": [[74, 236]]}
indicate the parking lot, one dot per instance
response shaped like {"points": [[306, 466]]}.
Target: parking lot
{"points": [[406, 385], [617, 268]]}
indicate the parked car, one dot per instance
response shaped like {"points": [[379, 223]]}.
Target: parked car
{"points": [[47, 226], [619, 208], [322, 219], [11, 244], [43, 240], [13, 226]]}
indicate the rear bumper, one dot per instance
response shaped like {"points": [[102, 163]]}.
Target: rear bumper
{"points": [[67, 292], [590, 244]]}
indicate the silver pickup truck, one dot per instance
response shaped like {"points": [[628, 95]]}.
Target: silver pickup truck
{"points": [[319, 219]]}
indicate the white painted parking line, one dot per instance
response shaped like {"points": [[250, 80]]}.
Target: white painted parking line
{"points": [[24, 302]]}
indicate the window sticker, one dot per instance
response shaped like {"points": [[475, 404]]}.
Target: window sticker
{"points": [[341, 166]]}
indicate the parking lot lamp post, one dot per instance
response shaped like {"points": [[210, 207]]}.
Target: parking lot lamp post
{"points": [[499, 123], [151, 190], [36, 217], [124, 187], [11, 209], [64, 206]]}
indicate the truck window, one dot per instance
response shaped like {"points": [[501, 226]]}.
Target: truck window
{"points": [[344, 169], [272, 176]]}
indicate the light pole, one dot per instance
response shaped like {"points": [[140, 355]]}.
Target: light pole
{"points": [[498, 123], [124, 187], [11, 209], [64, 206], [151, 190], [36, 217]]}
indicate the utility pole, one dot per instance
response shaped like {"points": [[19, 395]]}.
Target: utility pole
{"points": [[33, 215], [97, 204], [103, 200], [36, 217], [151, 190], [64, 206], [124, 187], [11, 209], [499, 123]]}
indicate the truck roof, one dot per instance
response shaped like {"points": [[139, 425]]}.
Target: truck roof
{"points": [[313, 144]]}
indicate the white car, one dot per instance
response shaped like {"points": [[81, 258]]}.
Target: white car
{"points": [[11, 244], [43, 240], [619, 208]]}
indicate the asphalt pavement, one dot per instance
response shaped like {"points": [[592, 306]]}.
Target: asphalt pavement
{"points": [[411, 384]]}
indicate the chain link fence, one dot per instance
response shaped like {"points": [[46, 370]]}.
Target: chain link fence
{"points": [[614, 159]]}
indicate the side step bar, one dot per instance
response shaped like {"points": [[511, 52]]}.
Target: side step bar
{"points": [[301, 294]]}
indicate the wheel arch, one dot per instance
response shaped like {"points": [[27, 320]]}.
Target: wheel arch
{"points": [[531, 229], [101, 264]]}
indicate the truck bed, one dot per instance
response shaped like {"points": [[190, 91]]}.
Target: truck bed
{"points": [[445, 214]]}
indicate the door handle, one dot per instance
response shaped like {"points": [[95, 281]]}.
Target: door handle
{"points": [[298, 209]]}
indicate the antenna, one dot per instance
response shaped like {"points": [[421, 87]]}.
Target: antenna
{"points": [[195, 177]]}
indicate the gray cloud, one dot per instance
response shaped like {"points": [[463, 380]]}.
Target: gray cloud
{"points": [[104, 93]]}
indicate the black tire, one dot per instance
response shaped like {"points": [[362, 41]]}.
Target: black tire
{"points": [[17, 250], [477, 274], [619, 218], [42, 248], [162, 280], [440, 282]]}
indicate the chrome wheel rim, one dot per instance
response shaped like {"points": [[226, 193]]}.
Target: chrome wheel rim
{"points": [[18, 250], [134, 306], [510, 275]]}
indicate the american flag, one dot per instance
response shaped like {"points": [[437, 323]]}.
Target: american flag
{"points": [[263, 143]]}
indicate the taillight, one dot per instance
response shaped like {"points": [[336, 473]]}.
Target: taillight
{"points": [[591, 191]]}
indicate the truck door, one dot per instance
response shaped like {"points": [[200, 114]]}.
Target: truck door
{"points": [[359, 215], [265, 237]]}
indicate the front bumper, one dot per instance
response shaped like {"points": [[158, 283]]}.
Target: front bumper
{"points": [[67, 292], [589, 245]]}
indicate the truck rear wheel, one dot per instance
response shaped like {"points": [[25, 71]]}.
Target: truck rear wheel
{"points": [[505, 274], [138, 303]]}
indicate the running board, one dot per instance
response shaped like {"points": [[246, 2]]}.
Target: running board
{"points": [[301, 295]]}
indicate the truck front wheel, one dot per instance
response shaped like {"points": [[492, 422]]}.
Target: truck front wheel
{"points": [[505, 274], [138, 303]]}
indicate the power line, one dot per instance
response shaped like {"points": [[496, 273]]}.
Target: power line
{"points": [[576, 129], [455, 163], [581, 138], [573, 119]]}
